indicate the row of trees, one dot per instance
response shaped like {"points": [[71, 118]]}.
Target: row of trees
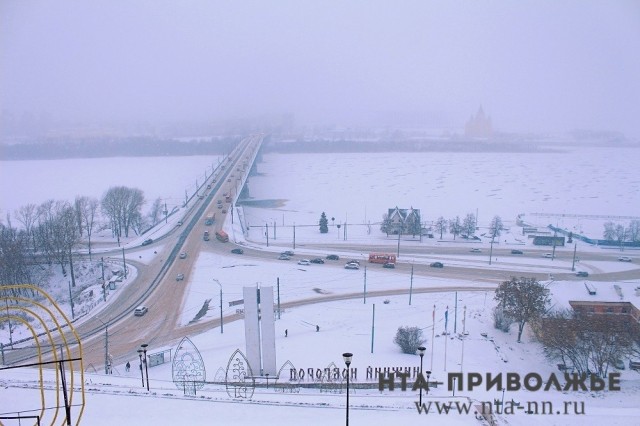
{"points": [[52, 230], [620, 233]]}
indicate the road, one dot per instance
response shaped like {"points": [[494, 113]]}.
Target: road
{"points": [[155, 285]]}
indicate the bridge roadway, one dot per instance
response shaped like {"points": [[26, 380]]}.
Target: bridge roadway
{"points": [[155, 285]]}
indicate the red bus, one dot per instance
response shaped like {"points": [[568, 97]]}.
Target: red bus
{"points": [[222, 236], [382, 258]]}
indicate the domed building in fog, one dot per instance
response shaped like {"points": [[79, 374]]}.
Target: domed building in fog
{"points": [[478, 126]]}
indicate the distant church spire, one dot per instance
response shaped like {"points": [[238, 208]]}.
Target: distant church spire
{"points": [[479, 126]]}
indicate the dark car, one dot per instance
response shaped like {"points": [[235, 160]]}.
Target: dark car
{"points": [[288, 253], [333, 257], [437, 265], [147, 242], [237, 251], [582, 274], [317, 260], [516, 252], [389, 265]]}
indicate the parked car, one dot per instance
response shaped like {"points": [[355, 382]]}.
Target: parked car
{"points": [[140, 311], [475, 250], [304, 262], [288, 253], [516, 252], [437, 265], [547, 255], [317, 260], [147, 242], [333, 257], [183, 255], [389, 265], [582, 274], [237, 251], [351, 265], [624, 259], [179, 277], [284, 257]]}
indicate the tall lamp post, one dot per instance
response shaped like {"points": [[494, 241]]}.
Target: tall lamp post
{"points": [[141, 371], [347, 360], [146, 365], [421, 350], [221, 321], [428, 375]]}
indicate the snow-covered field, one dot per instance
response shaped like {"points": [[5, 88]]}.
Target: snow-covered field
{"points": [[358, 189]]}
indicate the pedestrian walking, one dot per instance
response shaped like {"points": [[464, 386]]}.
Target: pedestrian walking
{"points": [[286, 332], [127, 367], [317, 328]]}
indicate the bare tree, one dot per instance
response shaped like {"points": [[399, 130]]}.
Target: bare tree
{"points": [[621, 235], [155, 215], [522, 299], [122, 205], [455, 226], [591, 343], [496, 227], [28, 216], [469, 224], [441, 225], [88, 216], [609, 231], [634, 230]]}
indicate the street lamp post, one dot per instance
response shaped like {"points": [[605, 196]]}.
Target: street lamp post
{"points": [[421, 350], [146, 365], [428, 375], [347, 360], [221, 320], [141, 371]]}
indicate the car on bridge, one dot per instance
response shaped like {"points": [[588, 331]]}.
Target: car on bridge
{"points": [[183, 255], [304, 262], [547, 255], [475, 250], [288, 253], [179, 277], [284, 257]]}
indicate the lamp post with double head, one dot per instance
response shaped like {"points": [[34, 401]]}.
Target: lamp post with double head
{"points": [[146, 365], [347, 360], [421, 350]]}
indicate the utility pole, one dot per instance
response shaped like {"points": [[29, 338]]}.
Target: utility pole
{"points": [[267, 232], [73, 316], [124, 264], [573, 265], [365, 285], [411, 286], [399, 232], [455, 315]]}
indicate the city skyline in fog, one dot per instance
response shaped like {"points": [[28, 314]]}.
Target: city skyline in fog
{"points": [[534, 66]]}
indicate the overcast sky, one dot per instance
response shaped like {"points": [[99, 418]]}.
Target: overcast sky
{"points": [[534, 65]]}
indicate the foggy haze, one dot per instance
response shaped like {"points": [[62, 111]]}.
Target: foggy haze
{"points": [[534, 66]]}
